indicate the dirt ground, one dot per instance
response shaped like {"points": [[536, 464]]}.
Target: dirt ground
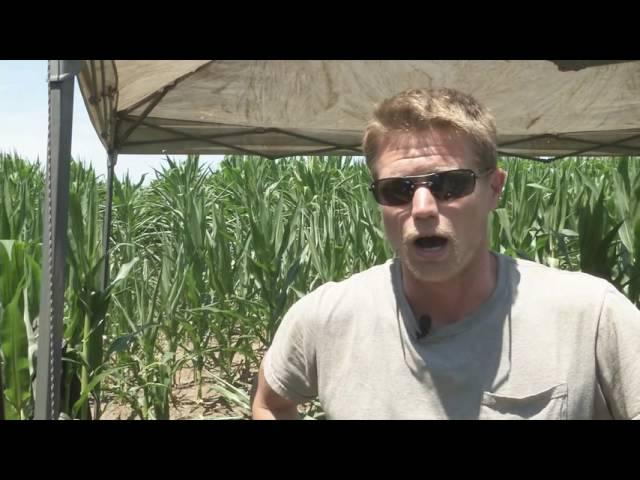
{"points": [[185, 405]]}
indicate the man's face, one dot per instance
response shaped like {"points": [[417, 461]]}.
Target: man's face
{"points": [[457, 228]]}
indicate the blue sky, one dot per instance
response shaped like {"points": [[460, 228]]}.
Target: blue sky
{"points": [[23, 123]]}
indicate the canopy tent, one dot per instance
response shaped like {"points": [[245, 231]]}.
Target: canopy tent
{"points": [[277, 109], [283, 108]]}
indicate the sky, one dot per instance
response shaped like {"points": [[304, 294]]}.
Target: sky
{"points": [[23, 124]]}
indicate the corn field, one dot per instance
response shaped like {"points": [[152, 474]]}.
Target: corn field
{"points": [[204, 264]]}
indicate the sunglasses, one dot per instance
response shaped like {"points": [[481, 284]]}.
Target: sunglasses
{"points": [[449, 185]]}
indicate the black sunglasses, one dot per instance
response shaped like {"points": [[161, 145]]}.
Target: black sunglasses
{"points": [[449, 185]]}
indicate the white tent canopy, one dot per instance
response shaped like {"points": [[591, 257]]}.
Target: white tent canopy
{"points": [[284, 108]]}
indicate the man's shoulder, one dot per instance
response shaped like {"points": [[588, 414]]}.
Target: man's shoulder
{"points": [[358, 291], [551, 279], [366, 280]]}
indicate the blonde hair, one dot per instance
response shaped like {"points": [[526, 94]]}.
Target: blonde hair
{"points": [[417, 110]]}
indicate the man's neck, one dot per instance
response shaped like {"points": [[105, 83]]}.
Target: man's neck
{"points": [[450, 301]]}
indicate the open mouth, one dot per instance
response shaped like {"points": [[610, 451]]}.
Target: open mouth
{"points": [[430, 242]]}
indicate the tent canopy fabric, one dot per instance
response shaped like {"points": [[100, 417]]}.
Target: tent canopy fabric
{"points": [[301, 107]]}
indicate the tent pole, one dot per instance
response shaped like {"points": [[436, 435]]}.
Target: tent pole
{"points": [[112, 159], [55, 215]]}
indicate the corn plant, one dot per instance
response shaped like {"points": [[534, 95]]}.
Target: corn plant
{"points": [[19, 291], [206, 263]]}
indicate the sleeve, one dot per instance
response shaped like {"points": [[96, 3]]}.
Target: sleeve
{"points": [[290, 363], [618, 355]]}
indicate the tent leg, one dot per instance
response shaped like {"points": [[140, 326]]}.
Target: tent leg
{"points": [[106, 226], [55, 214]]}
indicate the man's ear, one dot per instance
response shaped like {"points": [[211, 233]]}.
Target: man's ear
{"points": [[498, 180]]}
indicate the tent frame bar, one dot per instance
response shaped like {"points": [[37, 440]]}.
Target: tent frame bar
{"points": [[55, 212], [138, 120], [181, 136]]}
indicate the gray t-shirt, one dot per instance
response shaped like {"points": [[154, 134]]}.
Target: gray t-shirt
{"points": [[547, 344]]}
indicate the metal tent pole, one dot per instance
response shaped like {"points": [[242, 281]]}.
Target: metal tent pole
{"points": [[55, 213], [106, 226]]}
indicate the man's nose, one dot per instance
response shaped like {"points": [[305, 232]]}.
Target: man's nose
{"points": [[423, 204]]}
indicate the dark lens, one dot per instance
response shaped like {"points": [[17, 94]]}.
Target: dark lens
{"points": [[393, 191], [453, 184]]}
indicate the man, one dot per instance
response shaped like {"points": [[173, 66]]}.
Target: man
{"points": [[449, 329]]}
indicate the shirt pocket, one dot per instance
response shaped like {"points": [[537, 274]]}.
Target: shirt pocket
{"points": [[549, 404]]}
